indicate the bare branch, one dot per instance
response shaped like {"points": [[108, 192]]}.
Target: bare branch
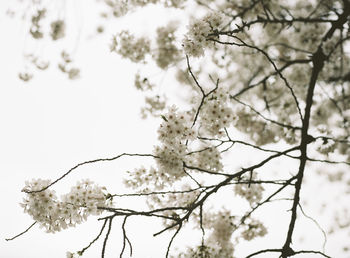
{"points": [[95, 239], [125, 239], [85, 163], [106, 237], [25, 231], [172, 239]]}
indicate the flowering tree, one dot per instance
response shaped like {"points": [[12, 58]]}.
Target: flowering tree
{"points": [[272, 76]]}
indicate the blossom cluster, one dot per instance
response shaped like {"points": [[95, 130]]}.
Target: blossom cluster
{"points": [[25, 76], [325, 146], [173, 133], [253, 229], [143, 83], [119, 8], [35, 29], [57, 29], [55, 214], [201, 33], [167, 53], [184, 197], [153, 106], [252, 192], [219, 243], [66, 66], [258, 130], [176, 127], [170, 159], [207, 157], [216, 114], [130, 47], [144, 179], [223, 227]]}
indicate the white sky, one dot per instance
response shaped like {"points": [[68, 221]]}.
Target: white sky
{"points": [[50, 124]]}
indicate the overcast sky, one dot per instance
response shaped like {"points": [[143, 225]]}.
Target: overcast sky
{"points": [[50, 124]]}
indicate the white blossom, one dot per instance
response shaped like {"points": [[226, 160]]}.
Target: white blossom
{"points": [[128, 46], [55, 214], [200, 32], [252, 192]]}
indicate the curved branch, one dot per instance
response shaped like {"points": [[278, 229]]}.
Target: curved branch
{"points": [[85, 163], [25, 231]]}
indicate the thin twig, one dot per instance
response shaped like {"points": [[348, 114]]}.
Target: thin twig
{"points": [[106, 237], [125, 238], [85, 163], [318, 225], [25, 231], [172, 239], [93, 241]]}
